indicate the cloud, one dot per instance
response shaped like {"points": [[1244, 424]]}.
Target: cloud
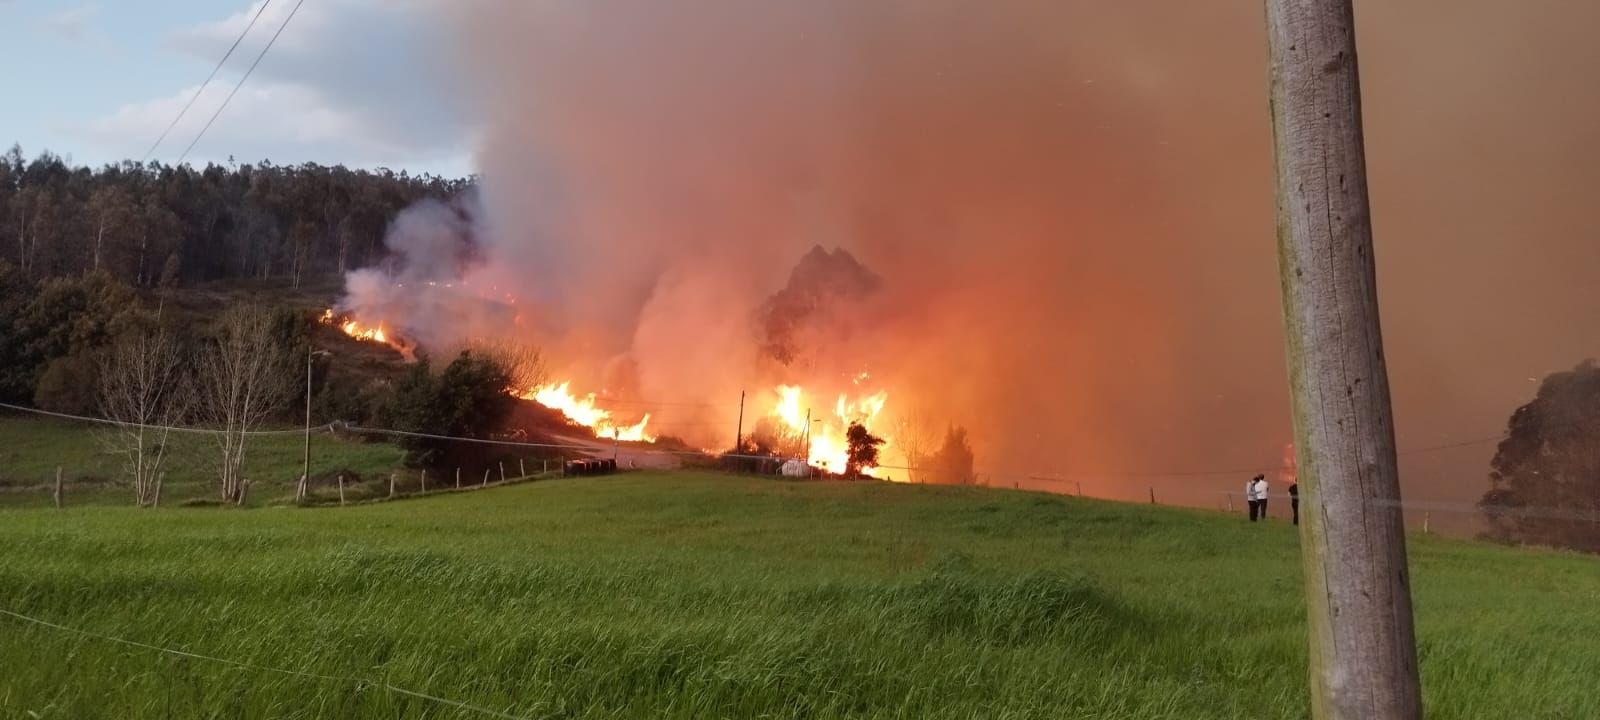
{"points": [[351, 81], [75, 24]]}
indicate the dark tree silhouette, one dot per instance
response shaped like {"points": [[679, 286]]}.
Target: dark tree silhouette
{"points": [[471, 398], [952, 464], [1546, 473], [863, 449]]}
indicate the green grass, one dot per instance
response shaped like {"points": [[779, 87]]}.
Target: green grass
{"points": [[696, 596], [32, 449]]}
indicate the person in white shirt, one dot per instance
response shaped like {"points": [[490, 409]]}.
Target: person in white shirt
{"points": [[1261, 494], [1250, 498]]}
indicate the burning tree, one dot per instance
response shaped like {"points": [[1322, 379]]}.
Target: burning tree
{"points": [[863, 449], [242, 382], [144, 388]]}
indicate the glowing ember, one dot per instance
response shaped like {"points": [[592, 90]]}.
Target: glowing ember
{"points": [[585, 412], [829, 447]]}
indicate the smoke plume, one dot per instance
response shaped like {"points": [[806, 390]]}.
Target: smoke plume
{"points": [[1068, 205]]}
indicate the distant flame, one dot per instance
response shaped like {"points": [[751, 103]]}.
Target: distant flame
{"points": [[1288, 472], [829, 447], [355, 329], [369, 333], [585, 412]]}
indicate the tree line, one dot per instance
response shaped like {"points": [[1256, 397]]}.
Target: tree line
{"points": [[154, 225], [94, 346]]}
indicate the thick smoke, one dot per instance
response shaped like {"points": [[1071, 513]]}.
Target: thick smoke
{"points": [[418, 292], [1069, 203]]}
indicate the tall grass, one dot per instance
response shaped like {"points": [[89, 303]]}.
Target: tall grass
{"points": [[695, 596]]}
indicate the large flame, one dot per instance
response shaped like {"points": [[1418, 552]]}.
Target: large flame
{"points": [[828, 446], [355, 329], [584, 411]]}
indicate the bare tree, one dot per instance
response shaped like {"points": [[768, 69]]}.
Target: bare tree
{"points": [[243, 380], [143, 387], [912, 432], [522, 362]]}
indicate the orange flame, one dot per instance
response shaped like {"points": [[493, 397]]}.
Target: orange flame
{"points": [[829, 447], [355, 329], [584, 411]]}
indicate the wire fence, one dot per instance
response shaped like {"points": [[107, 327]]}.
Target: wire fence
{"points": [[551, 457]]}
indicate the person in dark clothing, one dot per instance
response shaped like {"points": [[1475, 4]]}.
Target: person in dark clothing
{"points": [[1294, 500]]}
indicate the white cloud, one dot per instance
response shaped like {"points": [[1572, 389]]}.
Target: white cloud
{"points": [[360, 82], [75, 23]]}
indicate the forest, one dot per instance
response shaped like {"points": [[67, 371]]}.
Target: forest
{"points": [[156, 225]]}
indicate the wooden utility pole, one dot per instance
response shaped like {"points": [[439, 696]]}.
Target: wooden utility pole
{"points": [[738, 433], [1358, 602]]}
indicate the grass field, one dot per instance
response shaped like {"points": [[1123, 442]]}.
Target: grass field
{"points": [[695, 596], [32, 449]]}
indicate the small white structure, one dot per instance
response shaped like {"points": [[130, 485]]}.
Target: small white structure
{"points": [[794, 468]]}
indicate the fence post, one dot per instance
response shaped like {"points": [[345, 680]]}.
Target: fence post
{"points": [[1425, 519], [391, 485], [341, 488], [502, 472], [244, 491], [1152, 494], [160, 477], [1080, 488], [458, 477], [522, 469], [424, 480], [485, 477], [1230, 502], [58, 488], [544, 466]]}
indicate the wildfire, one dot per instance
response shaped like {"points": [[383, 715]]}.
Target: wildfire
{"points": [[829, 448], [355, 329], [1288, 471], [585, 412]]}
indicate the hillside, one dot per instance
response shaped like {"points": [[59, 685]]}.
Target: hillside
{"points": [[692, 596]]}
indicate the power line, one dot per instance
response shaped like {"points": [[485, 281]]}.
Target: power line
{"points": [[240, 84], [172, 428], [1009, 474], [207, 83], [600, 446]]}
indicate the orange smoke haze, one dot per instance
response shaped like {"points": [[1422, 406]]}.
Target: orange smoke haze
{"points": [[1069, 204]]}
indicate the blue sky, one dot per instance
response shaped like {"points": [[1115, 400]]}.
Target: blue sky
{"points": [[361, 82]]}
